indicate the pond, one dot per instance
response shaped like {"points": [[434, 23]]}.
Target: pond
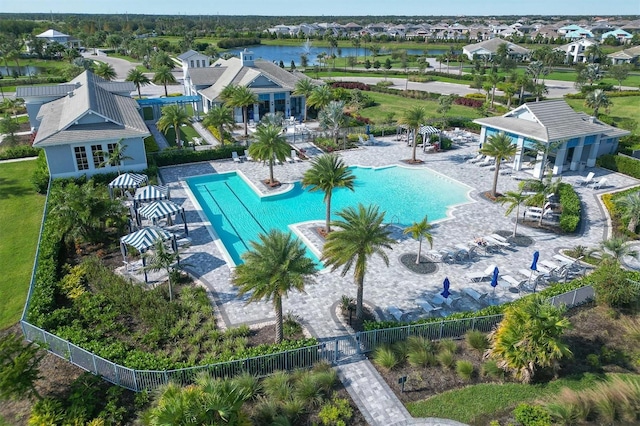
{"points": [[286, 54], [23, 70]]}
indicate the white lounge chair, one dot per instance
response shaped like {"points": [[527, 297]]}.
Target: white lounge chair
{"points": [[486, 162], [476, 159], [448, 255], [235, 157], [247, 156], [475, 295], [514, 282], [484, 275], [439, 300], [599, 184], [428, 307], [547, 214], [294, 155], [586, 180], [395, 312]]}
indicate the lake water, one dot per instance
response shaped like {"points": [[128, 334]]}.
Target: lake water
{"points": [[287, 54], [27, 70]]}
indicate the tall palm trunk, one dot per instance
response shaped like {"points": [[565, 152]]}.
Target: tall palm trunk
{"points": [[176, 127], [139, 94], [415, 145], [245, 113], [328, 220], [359, 295], [277, 303], [271, 179], [166, 94], [495, 178], [515, 228], [419, 250], [220, 130]]}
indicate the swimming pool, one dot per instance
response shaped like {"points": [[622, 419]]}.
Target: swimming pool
{"points": [[238, 214]]}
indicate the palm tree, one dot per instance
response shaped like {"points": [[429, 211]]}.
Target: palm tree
{"points": [[272, 268], [326, 173], [418, 231], [597, 99], [116, 157], [220, 117], [361, 235], [614, 249], [413, 118], [494, 79], [138, 78], [543, 188], [498, 146], [173, 116], [164, 76], [529, 337], [105, 71], [161, 259], [240, 97], [304, 87], [514, 199], [509, 90], [270, 145], [631, 210], [332, 117], [593, 52], [320, 96]]}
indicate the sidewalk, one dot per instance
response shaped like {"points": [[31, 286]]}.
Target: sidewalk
{"points": [[159, 137], [205, 133]]}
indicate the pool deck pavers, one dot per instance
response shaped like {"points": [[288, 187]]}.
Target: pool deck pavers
{"points": [[386, 286]]}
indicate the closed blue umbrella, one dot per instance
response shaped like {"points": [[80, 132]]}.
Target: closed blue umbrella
{"points": [[494, 278], [445, 292], [534, 264]]}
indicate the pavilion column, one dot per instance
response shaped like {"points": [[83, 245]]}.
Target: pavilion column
{"points": [[577, 155], [593, 153], [538, 169], [517, 160], [561, 154]]}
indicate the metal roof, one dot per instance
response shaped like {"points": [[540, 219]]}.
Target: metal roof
{"points": [[53, 90]]}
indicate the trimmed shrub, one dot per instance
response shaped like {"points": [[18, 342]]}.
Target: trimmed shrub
{"points": [[619, 163], [385, 357], [21, 151], [337, 412], [473, 103], [446, 358], [477, 340], [464, 369], [170, 157], [350, 85], [612, 286], [532, 415], [571, 208]]}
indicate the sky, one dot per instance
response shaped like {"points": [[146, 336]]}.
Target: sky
{"points": [[330, 7]]}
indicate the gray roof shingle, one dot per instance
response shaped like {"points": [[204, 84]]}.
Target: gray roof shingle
{"points": [[552, 120], [59, 119], [53, 90]]}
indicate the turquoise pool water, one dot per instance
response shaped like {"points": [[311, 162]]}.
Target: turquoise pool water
{"points": [[238, 214]]}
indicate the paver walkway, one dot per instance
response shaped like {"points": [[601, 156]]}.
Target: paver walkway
{"points": [[385, 286], [157, 134]]}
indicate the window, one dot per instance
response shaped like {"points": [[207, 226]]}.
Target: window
{"points": [[98, 156], [81, 157], [191, 61]]}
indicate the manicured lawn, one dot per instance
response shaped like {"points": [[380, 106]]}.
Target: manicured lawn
{"points": [[622, 107], [187, 133], [472, 402], [20, 218], [397, 104]]}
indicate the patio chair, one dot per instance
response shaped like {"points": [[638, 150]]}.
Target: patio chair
{"points": [[449, 301], [247, 156], [514, 282], [474, 294], [428, 307], [235, 157], [476, 159], [294, 155], [486, 162], [586, 180], [395, 312], [546, 214], [599, 184], [484, 275], [448, 255], [434, 255]]}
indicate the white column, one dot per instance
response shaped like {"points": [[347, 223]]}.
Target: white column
{"points": [[517, 161], [577, 155], [593, 153], [272, 104], [538, 169], [561, 153]]}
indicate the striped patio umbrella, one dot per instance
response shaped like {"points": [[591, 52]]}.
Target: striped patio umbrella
{"points": [[160, 209], [144, 239], [151, 193], [428, 130], [127, 181]]}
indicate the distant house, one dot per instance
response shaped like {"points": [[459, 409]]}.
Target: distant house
{"points": [[621, 35], [569, 28], [53, 36], [192, 60], [578, 34], [626, 56], [273, 85], [79, 121], [575, 51], [582, 138], [489, 48]]}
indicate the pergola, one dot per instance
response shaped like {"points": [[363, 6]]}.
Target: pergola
{"points": [[143, 240]]}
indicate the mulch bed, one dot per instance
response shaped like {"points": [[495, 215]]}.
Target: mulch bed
{"points": [[426, 266], [273, 185], [417, 161], [519, 240]]}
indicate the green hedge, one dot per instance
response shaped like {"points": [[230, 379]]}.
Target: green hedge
{"points": [[558, 288], [614, 93], [620, 163], [571, 208], [171, 157], [21, 151]]}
